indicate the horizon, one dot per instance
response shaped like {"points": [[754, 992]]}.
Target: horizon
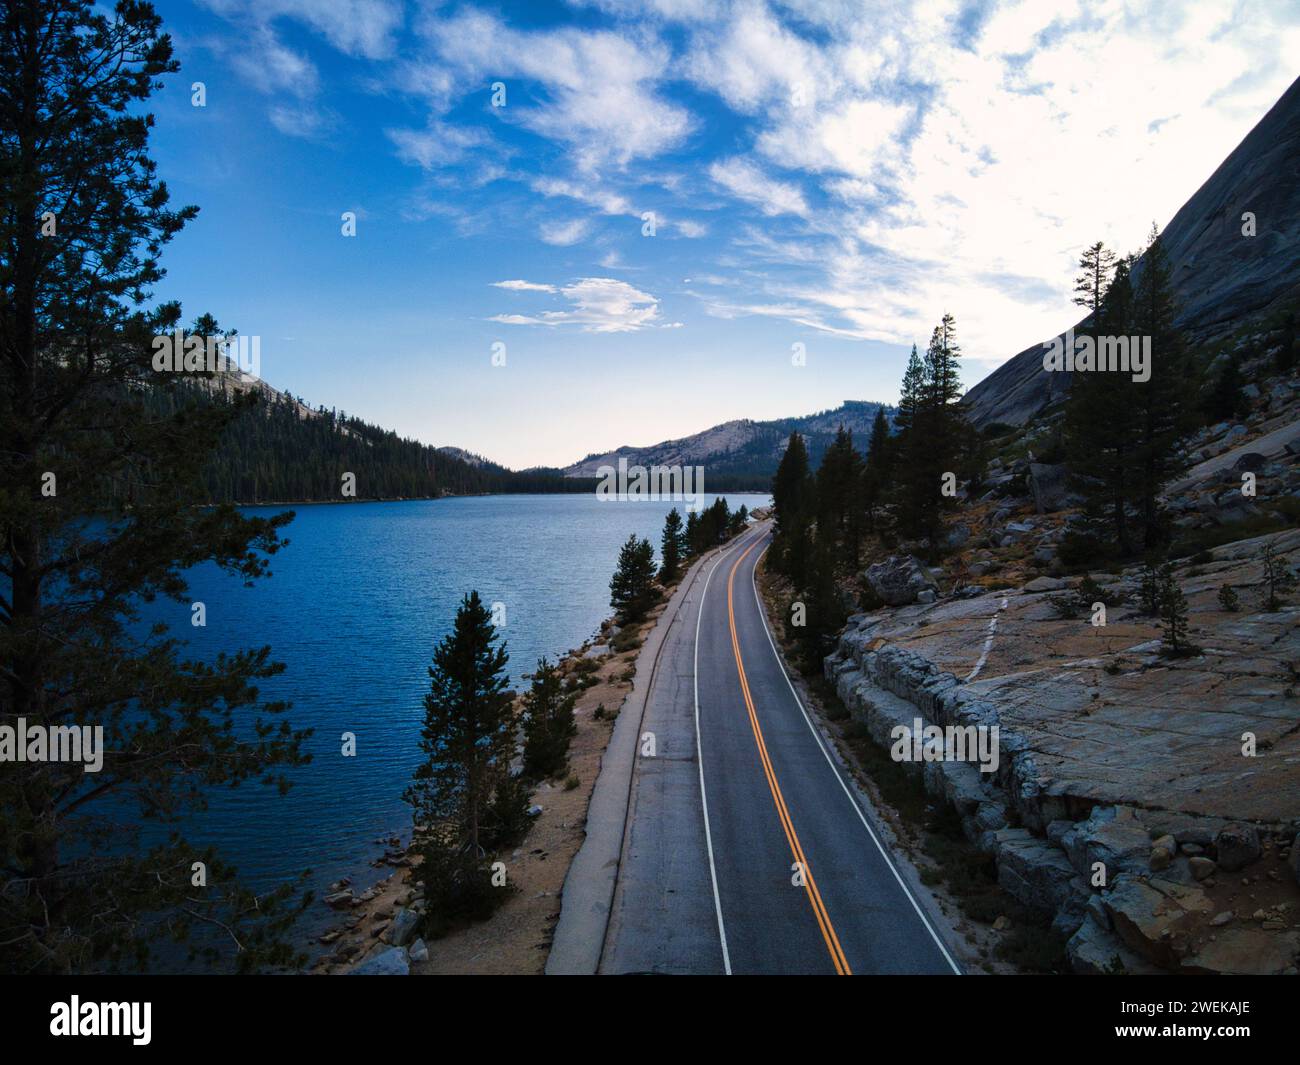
{"points": [[813, 182]]}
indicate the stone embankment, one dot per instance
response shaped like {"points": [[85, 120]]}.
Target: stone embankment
{"points": [[1147, 804]]}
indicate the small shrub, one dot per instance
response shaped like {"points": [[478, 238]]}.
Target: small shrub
{"points": [[627, 640], [1228, 599], [572, 782]]}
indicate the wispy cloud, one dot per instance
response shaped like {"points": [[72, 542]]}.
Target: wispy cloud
{"points": [[743, 178], [848, 167], [596, 305], [564, 233]]}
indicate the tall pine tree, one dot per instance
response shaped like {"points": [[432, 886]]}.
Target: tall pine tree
{"points": [[671, 547], [548, 723], [469, 731], [1163, 402], [632, 588], [1100, 427], [98, 513]]}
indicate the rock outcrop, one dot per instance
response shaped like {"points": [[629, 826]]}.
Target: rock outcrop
{"points": [[1123, 807], [1220, 277], [899, 580]]}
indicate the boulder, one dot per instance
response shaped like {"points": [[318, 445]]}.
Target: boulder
{"points": [[418, 951], [899, 579], [1241, 950], [1236, 846], [391, 962], [1047, 484], [403, 928], [1154, 917], [956, 536]]}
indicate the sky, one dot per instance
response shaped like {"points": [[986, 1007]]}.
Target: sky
{"points": [[604, 222]]}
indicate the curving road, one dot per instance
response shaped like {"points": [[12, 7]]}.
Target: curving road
{"points": [[745, 850]]}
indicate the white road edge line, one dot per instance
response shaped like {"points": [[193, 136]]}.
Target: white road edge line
{"points": [[699, 758], [762, 614]]}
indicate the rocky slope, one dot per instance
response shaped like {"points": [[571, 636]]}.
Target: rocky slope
{"points": [[1221, 277], [1146, 803], [1123, 807]]}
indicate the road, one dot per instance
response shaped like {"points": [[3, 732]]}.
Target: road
{"points": [[745, 850]]}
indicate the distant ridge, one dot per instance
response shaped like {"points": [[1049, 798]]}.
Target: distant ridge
{"points": [[743, 451]]}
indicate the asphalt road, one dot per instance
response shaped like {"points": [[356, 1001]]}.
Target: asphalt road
{"points": [[745, 850]]}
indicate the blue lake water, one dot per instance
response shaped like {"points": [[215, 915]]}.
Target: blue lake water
{"points": [[355, 605]]}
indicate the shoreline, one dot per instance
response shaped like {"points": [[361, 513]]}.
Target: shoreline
{"points": [[516, 939]]}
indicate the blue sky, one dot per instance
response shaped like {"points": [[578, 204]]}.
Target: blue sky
{"points": [[826, 174]]}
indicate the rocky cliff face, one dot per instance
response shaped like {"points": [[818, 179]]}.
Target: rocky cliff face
{"points": [[1223, 279]]}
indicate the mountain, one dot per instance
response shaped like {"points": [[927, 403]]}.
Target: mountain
{"points": [[283, 450], [743, 453], [1223, 279]]}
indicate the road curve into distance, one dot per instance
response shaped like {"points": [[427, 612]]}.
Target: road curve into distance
{"points": [[745, 850]]}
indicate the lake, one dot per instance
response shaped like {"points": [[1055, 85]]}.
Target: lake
{"points": [[355, 605]]}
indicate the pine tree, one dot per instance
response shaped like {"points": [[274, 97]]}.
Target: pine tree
{"points": [[1225, 400], [1173, 615], [739, 521], [1163, 402], [825, 608], [1278, 577], [691, 537], [1100, 427], [1096, 265], [632, 589], [910, 394], [793, 503], [122, 525], [548, 723], [792, 486], [876, 469], [469, 728], [1149, 587], [839, 480], [1286, 355], [936, 437], [670, 547]]}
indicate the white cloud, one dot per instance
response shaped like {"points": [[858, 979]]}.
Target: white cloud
{"points": [[302, 120], [437, 145], [524, 286], [596, 305], [905, 158], [600, 93], [357, 27], [584, 192], [743, 179], [564, 233]]}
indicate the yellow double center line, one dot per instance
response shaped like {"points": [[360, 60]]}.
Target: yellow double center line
{"points": [[810, 885]]}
